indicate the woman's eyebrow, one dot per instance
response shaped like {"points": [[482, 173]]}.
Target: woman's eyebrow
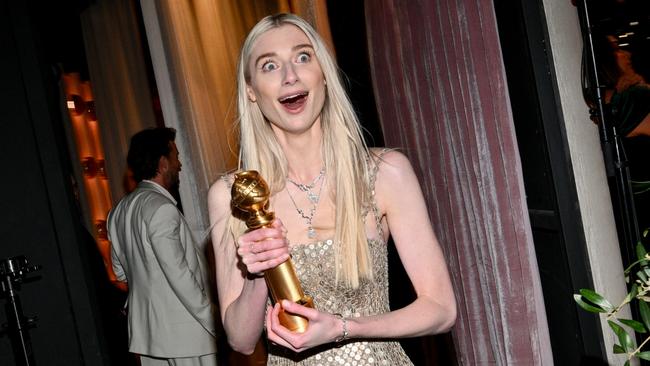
{"points": [[304, 45], [264, 55]]}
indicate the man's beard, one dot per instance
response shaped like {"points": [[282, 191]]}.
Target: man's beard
{"points": [[174, 190], [174, 181]]}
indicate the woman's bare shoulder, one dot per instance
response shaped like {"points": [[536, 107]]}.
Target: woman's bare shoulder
{"points": [[219, 192], [391, 163]]}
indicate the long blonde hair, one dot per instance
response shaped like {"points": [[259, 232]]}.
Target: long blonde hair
{"points": [[345, 154]]}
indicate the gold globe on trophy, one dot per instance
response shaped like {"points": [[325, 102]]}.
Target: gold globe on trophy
{"points": [[250, 194]]}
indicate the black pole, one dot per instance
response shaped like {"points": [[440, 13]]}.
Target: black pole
{"points": [[17, 326], [616, 163], [12, 273]]}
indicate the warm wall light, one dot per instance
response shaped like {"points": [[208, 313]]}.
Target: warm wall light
{"points": [[100, 229], [90, 110], [76, 105], [101, 169], [89, 166]]}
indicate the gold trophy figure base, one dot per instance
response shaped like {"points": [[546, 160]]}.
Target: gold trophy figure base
{"points": [[250, 194], [293, 322], [284, 285]]}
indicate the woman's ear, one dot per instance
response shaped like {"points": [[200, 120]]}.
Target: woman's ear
{"points": [[251, 94]]}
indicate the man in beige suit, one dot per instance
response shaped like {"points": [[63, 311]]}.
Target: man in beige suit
{"points": [[170, 315]]}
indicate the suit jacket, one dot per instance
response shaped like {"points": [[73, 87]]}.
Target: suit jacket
{"points": [[170, 314]]}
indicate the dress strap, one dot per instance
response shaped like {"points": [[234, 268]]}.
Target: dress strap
{"points": [[375, 161], [228, 178]]}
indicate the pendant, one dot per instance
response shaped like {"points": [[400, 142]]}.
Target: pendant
{"points": [[313, 197], [311, 232]]}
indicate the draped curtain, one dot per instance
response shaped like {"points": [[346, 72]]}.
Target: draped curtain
{"points": [[193, 45], [441, 94], [120, 85]]}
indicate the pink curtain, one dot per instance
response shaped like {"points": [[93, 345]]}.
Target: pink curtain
{"points": [[441, 94]]}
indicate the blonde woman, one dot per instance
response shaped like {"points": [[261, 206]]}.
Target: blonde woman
{"points": [[336, 202]]}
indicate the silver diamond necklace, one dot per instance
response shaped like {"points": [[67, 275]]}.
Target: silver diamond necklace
{"points": [[307, 188], [313, 198]]}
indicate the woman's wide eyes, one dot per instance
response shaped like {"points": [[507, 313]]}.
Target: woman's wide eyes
{"points": [[304, 57], [269, 66]]}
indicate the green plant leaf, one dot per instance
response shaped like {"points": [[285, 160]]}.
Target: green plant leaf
{"points": [[644, 355], [647, 273], [596, 299], [644, 309], [637, 326], [642, 276], [586, 306], [623, 337], [632, 294], [627, 363], [641, 262], [618, 349], [639, 187], [641, 252]]}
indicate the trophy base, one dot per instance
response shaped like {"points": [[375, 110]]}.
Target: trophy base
{"points": [[296, 323]]}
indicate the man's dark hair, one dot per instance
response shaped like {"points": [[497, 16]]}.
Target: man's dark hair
{"points": [[146, 149]]}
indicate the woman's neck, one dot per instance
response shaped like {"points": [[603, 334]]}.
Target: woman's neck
{"points": [[304, 167], [304, 157]]}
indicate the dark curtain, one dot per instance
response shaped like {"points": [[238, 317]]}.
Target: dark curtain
{"points": [[441, 94]]}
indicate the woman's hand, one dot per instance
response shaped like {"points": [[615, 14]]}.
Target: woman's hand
{"points": [[263, 248], [323, 327]]}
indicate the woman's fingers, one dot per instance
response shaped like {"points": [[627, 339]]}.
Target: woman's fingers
{"points": [[294, 340], [294, 308], [257, 266], [273, 325], [266, 256], [257, 247], [277, 223], [264, 248], [260, 235]]}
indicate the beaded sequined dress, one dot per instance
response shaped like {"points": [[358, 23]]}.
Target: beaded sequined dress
{"points": [[314, 263]]}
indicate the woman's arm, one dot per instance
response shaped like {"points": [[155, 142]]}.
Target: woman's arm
{"points": [[400, 199], [240, 284]]}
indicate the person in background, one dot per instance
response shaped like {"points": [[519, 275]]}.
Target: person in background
{"points": [[626, 90], [335, 201], [626, 95], [171, 320]]}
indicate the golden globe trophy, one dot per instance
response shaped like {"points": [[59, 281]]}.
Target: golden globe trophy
{"points": [[250, 194]]}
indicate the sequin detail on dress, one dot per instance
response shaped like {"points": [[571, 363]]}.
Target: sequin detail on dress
{"points": [[314, 263]]}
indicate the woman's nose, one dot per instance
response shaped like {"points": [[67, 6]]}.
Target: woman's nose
{"points": [[290, 76]]}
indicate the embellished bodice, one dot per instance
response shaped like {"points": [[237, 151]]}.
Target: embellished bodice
{"points": [[314, 263], [315, 268]]}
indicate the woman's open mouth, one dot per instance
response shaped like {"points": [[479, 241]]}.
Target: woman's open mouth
{"points": [[294, 102]]}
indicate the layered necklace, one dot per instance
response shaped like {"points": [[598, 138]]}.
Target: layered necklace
{"points": [[313, 197]]}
